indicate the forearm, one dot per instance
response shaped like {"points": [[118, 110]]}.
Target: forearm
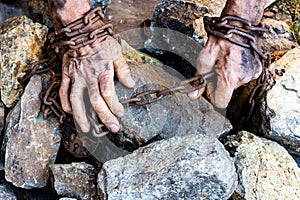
{"points": [[63, 12], [251, 10]]}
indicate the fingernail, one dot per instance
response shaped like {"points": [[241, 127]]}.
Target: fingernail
{"points": [[130, 81], [114, 128], [85, 128], [193, 94]]}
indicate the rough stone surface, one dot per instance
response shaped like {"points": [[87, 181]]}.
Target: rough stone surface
{"points": [[17, 54], [185, 17], [31, 142], [279, 38], [11, 10], [6, 193], [265, 169], [172, 115], [2, 115], [193, 166], [76, 180], [284, 99]]}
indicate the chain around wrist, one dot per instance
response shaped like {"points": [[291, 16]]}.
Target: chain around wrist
{"points": [[82, 32], [226, 27]]}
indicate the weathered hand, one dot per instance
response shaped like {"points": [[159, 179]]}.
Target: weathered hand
{"points": [[233, 65], [92, 68]]}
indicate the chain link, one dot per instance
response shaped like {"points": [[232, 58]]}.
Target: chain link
{"points": [[71, 37], [219, 26], [184, 87]]}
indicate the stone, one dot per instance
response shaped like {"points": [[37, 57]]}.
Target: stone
{"points": [[192, 166], [21, 43], [173, 115], [38, 11], [278, 38], [265, 169], [75, 180], [177, 27], [6, 193], [8, 10], [31, 141], [2, 115], [284, 99]]}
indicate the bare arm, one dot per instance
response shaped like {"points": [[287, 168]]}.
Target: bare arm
{"points": [[233, 65]]}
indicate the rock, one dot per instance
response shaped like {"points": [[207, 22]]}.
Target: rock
{"points": [[10, 10], [284, 99], [176, 25], [21, 43], [6, 193], [38, 11], [265, 169], [32, 142], [173, 115], [76, 180], [278, 38], [186, 167], [2, 115]]}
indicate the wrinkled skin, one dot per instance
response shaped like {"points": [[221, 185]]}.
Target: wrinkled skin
{"points": [[93, 68], [233, 65]]}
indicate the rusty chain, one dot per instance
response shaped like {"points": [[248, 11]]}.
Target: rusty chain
{"points": [[221, 27], [71, 38]]}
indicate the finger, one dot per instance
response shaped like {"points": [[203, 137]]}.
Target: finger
{"points": [[123, 72], [64, 93], [78, 105], [205, 63], [103, 112], [107, 90], [220, 92]]}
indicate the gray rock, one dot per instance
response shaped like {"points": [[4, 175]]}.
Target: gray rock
{"points": [[180, 25], [76, 180], [284, 99], [186, 167], [10, 10], [265, 169], [21, 43], [172, 115], [6, 193], [32, 142], [278, 38]]}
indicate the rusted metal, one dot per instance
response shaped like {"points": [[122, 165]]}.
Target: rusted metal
{"points": [[220, 26]]}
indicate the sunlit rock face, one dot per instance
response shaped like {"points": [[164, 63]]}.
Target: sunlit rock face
{"points": [[21, 43]]}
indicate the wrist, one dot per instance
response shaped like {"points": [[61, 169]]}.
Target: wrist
{"points": [[63, 12], [251, 10]]}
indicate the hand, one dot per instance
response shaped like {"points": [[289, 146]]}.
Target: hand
{"points": [[92, 67], [233, 65]]}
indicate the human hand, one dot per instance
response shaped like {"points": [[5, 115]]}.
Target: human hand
{"points": [[92, 68], [233, 66]]}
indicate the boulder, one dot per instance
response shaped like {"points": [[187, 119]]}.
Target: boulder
{"points": [[75, 180], [173, 115], [6, 193], [21, 43], [192, 166], [31, 141], [265, 169], [278, 38], [284, 99]]}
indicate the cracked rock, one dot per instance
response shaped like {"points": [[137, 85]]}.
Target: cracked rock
{"points": [[265, 169], [31, 141], [76, 180], [188, 167], [284, 99]]}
